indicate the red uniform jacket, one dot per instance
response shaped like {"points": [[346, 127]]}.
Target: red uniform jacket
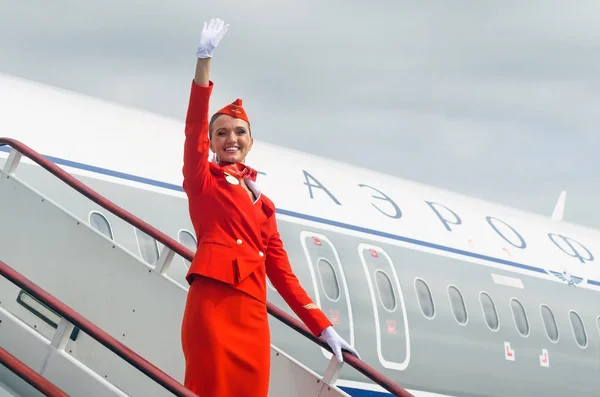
{"points": [[237, 244]]}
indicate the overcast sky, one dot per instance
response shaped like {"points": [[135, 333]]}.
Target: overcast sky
{"points": [[495, 99]]}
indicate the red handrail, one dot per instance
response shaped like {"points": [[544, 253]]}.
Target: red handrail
{"points": [[95, 332], [181, 250], [36, 380]]}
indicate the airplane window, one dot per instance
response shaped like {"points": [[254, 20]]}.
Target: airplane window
{"points": [[385, 290], [329, 281], [100, 223], [549, 323], [520, 317], [425, 298], [489, 311], [189, 241], [458, 305], [148, 247], [578, 329]]}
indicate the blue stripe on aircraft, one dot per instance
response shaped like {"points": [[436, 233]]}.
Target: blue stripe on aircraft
{"points": [[330, 222], [407, 239], [106, 171], [363, 393]]}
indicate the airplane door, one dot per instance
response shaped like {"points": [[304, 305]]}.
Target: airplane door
{"points": [[331, 290], [391, 323]]}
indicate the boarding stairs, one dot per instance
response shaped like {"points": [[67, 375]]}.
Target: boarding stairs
{"points": [[81, 315]]}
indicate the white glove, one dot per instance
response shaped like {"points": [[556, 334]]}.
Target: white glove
{"points": [[210, 37], [337, 343]]}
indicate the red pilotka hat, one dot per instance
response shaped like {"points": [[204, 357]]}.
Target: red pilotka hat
{"points": [[235, 109]]}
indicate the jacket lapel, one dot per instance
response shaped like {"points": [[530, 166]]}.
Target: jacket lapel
{"points": [[268, 208]]}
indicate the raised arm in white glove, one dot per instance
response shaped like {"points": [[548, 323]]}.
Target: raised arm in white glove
{"points": [[210, 37], [337, 343]]}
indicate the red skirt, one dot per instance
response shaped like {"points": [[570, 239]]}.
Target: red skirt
{"points": [[226, 341]]}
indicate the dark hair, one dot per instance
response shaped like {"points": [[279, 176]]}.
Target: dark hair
{"points": [[212, 121]]}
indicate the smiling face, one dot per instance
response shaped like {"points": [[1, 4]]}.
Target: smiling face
{"points": [[230, 138]]}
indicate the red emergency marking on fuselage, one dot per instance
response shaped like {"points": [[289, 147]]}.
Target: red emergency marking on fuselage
{"points": [[544, 358], [317, 241], [391, 327], [334, 315], [509, 353]]}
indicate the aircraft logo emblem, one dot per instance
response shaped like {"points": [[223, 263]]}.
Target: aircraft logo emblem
{"points": [[567, 277]]}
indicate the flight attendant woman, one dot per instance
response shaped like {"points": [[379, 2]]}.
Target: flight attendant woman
{"points": [[225, 330]]}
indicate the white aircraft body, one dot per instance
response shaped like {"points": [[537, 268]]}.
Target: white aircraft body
{"points": [[444, 294]]}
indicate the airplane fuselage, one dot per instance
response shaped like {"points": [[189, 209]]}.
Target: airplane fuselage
{"points": [[427, 316], [441, 293]]}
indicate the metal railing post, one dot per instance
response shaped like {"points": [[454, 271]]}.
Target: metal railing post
{"points": [[14, 158], [164, 260], [333, 371], [59, 340]]}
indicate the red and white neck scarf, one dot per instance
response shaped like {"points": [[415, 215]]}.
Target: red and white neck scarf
{"points": [[239, 170]]}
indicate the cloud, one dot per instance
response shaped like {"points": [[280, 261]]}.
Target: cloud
{"points": [[494, 99]]}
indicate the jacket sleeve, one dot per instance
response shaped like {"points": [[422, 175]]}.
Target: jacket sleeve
{"points": [[196, 171], [285, 282]]}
